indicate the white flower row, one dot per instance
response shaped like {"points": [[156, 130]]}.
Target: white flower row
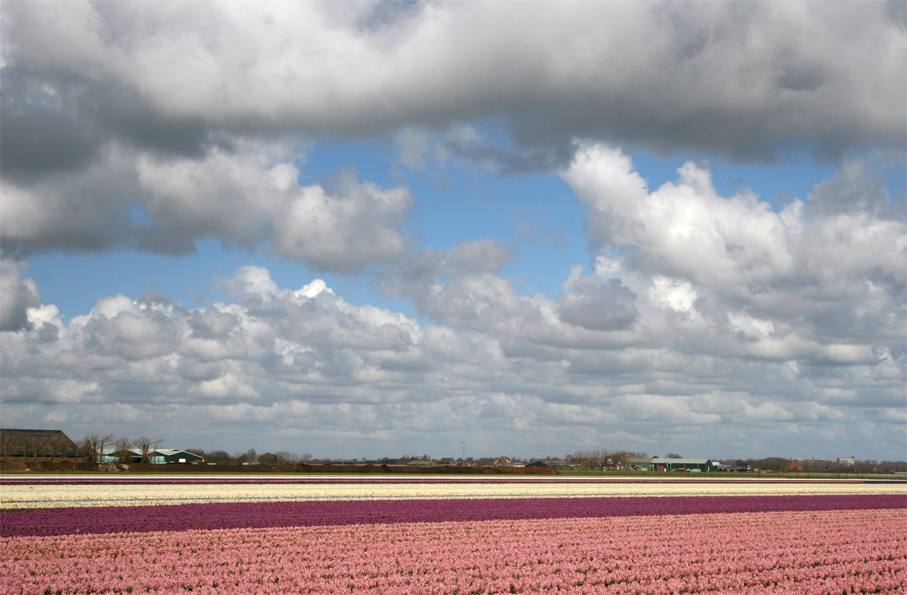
{"points": [[14, 496]]}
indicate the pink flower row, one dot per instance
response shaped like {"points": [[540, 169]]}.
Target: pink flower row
{"points": [[236, 515], [807, 552]]}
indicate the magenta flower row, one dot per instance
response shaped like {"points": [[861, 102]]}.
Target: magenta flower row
{"points": [[807, 553], [183, 517]]}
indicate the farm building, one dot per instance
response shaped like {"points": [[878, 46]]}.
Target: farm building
{"points": [[681, 465], [507, 462], [169, 455], [637, 464], [158, 456], [36, 444], [539, 464], [421, 463]]}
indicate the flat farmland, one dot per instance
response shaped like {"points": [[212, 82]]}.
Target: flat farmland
{"points": [[85, 491], [341, 534]]}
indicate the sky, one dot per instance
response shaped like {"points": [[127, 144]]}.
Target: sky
{"points": [[522, 229]]}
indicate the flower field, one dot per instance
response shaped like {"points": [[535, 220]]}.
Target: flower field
{"points": [[217, 515], [836, 538], [103, 491]]}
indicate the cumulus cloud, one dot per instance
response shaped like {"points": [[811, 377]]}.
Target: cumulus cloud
{"points": [[67, 210], [834, 263], [17, 295], [599, 306], [244, 194], [127, 125], [682, 229], [742, 79], [358, 225], [621, 349]]}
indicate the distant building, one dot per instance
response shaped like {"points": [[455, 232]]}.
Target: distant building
{"points": [[170, 455], [737, 467], [638, 464], [36, 444], [681, 464], [421, 463], [158, 456], [847, 461]]}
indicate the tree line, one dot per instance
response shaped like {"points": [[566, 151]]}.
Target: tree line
{"points": [[251, 457], [91, 448]]}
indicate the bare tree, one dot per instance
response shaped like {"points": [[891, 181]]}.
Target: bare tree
{"points": [[104, 442], [59, 445], [250, 456], [146, 445], [122, 445], [6, 445], [285, 456], [47, 446], [218, 457], [31, 445], [38, 447], [91, 447], [87, 447]]}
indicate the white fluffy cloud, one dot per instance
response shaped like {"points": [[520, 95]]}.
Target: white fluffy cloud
{"points": [[623, 349], [17, 295], [305, 363], [830, 267], [246, 195]]}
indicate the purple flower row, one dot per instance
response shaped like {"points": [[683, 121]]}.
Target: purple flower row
{"points": [[68, 521]]}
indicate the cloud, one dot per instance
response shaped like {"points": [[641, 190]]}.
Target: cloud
{"points": [[70, 211], [834, 263], [127, 125], [744, 80], [463, 144], [243, 194], [683, 229], [622, 350], [152, 127], [356, 226], [599, 306], [17, 295], [249, 194]]}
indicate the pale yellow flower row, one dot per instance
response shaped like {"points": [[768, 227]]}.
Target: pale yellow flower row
{"points": [[113, 494]]}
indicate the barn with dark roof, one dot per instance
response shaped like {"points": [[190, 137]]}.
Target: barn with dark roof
{"points": [[22, 445]]}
